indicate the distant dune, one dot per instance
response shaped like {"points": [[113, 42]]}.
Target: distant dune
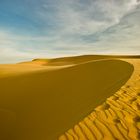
{"points": [[80, 59], [44, 98]]}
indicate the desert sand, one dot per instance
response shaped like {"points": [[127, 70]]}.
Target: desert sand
{"points": [[76, 98], [117, 118]]}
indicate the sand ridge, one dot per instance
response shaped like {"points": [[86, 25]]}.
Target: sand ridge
{"points": [[117, 118]]}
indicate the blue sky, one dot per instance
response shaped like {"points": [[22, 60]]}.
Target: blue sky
{"points": [[54, 28]]}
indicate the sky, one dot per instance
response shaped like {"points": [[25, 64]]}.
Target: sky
{"points": [[55, 28]]}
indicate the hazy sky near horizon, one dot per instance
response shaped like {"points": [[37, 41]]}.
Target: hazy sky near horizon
{"points": [[54, 28]]}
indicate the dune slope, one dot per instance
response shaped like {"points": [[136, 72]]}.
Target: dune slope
{"points": [[117, 118], [43, 105]]}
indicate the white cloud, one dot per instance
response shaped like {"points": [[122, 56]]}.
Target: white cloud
{"points": [[100, 21], [78, 18]]}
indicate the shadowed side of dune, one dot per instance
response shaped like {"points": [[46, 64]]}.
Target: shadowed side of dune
{"points": [[43, 105]]}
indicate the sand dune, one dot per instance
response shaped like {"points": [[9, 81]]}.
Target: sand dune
{"points": [[42, 105], [117, 118], [78, 59]]}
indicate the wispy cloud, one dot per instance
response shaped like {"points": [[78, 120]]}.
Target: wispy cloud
{"points": [[78, 17]]}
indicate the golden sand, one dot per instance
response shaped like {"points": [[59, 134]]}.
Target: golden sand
{"points": [[43, 99]]}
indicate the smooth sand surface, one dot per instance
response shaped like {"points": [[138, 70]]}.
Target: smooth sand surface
{"points": [[42, 105], [118, 118]]}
